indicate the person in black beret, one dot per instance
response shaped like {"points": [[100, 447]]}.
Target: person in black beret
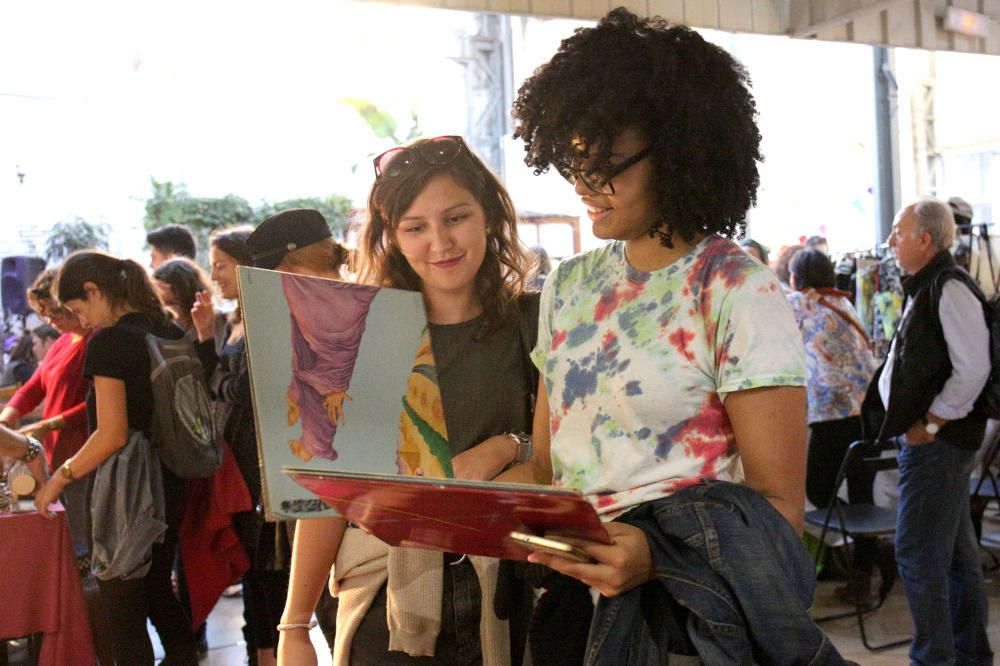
{"points": [[283, 237]]}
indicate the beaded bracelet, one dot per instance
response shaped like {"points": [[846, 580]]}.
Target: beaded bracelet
{"points": [[34, 449], [285, 626]]}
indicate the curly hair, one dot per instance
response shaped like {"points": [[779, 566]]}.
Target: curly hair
{"points": [[41, 289], [688, 98], [500, 279]]}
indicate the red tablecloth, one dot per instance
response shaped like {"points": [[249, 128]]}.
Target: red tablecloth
{"points": [[41, 589]]}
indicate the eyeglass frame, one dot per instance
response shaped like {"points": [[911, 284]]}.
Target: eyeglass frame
{"points": [[418, 151], [572, 175]]}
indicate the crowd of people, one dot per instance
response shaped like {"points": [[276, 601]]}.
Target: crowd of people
{"points": [[694, 395]]}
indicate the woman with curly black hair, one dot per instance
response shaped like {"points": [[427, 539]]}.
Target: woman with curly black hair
{"points": [[670, 358]]}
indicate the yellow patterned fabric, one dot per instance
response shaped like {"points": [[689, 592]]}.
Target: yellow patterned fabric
{"points": [[423, 436]]}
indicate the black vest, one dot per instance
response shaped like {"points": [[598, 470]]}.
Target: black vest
{"points": [[920, 363]]}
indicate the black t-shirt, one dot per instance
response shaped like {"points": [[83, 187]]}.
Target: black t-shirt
{"points": [[485, 384], [120, 352]]}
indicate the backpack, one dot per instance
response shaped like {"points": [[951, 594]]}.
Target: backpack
{"points": [[183, 418], [989, 400]]}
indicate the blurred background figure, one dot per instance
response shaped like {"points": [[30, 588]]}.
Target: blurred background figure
{"points": [[818, 243], [541, 266], [223, 355], [755, 250], [840, 364], [20, 362], [169, 241], [42, 339], [178, 282], [779, 264], [962, 211]]}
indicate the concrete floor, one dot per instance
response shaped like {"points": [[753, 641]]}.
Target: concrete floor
{"points": [[890, 622]]}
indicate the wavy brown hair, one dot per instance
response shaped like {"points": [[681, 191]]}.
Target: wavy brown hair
{"points": [[321, 256], [41, 289], [500, 279]]}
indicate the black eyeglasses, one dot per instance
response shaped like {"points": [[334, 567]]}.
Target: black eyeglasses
{"points": [[399, 161], [600, 183]]}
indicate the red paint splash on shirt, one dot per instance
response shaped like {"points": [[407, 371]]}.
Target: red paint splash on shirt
{"points": [[708, 435], [605, 501], [680, 339], [558, 339], [607, 304]]}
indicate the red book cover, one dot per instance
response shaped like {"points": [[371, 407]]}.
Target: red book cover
{"points": [[453, 515]]}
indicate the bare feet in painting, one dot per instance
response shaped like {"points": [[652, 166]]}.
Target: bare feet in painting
{"points": [[300, 451], [293, 409], [334, 404]]}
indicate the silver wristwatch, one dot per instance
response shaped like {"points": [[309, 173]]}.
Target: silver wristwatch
{"points": [[523, 442]]}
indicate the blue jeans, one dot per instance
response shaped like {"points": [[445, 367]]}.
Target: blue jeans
{"points": [[938, 556]]}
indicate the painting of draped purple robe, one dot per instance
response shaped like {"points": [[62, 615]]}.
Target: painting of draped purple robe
{"points": [[327, 322]]}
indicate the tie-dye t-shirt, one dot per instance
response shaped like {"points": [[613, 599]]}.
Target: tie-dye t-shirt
{"points": [[637, 365]]}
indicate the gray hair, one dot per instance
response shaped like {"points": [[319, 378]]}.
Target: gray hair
{"points": [[935, 218]]}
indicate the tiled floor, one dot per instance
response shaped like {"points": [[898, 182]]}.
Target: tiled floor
{"points": [[890, 622]]}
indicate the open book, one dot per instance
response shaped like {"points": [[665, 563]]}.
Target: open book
{"points": [[347, 407]]}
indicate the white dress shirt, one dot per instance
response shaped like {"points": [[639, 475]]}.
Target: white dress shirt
{"points": [[968, 341]]}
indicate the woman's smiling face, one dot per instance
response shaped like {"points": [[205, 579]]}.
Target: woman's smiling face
{"points": [[442, 235], [629, 213]]}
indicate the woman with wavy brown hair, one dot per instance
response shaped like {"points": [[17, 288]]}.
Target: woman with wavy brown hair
{"points": [[439, 223]]}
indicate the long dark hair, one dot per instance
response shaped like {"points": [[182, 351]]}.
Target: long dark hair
{"points": [[233, 241], [123, 282], [812, 269], [186, 278], [500, 278]]}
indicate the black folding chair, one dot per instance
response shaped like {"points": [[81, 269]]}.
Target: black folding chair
{"points": [[983, 490], [851, 521]]}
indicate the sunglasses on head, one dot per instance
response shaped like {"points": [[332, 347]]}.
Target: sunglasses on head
{"points": [[402, 160], [49, 310]]}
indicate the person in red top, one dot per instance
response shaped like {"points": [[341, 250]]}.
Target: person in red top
{"points": [[59, 381]]}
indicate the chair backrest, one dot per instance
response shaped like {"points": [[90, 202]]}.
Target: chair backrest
{"points": [[986, 465], [865, 457]]}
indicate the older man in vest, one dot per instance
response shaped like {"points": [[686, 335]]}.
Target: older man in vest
{"points": [[924, 397]]}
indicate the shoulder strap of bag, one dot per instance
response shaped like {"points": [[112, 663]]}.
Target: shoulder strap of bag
{"points": [[848, 318], [528, 305]]}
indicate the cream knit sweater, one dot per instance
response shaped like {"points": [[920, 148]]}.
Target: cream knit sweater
{"points": [[415, 584]]}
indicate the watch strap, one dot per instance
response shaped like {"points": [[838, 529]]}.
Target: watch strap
{"points": [[523, 452]]}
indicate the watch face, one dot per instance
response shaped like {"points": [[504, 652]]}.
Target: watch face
{"points": [[932, 428]]}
